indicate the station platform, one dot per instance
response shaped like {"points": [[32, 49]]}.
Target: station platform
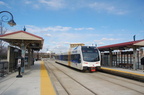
{"points": [[35, 81], [128, 73]]}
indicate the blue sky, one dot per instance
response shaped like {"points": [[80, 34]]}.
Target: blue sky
{"points": [[61, 22]]}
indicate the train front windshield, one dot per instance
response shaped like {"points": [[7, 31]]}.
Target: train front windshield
{"points": [[90, 54]]}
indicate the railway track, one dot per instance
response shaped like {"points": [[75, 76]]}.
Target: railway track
{"points": [[96, 83], [115, 81], [122, 79], [65, 88]]}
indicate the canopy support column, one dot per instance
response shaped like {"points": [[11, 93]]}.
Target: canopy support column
{"points": [[110, 61], [134, 57], [23, 51], [30, 57]]}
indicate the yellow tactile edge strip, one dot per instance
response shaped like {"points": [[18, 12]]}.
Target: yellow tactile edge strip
{"points": [[46, 84], [122, 71]]}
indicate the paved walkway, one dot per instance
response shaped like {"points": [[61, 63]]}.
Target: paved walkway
{"points": [[35, 81]]}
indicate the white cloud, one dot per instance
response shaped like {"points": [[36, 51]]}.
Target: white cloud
{"points": [[33, 4], [57, 47], [27, 2], [32, 28], [105, 41], [48, 35], [79, 29], [67, 38], [59, 42], [108, 39], [77, 4], [36, 6], [105, 7], [53, 4], [4, 4], [58, 28], [90, 28], [59, 37]]}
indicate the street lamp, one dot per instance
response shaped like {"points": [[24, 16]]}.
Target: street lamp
{"points": [[6, 18]]}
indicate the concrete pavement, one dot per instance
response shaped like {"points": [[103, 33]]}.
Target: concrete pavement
{"points": [[32, 82]]}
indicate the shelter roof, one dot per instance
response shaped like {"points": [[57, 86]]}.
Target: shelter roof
{"points": [[122, 46], [30, 40]]}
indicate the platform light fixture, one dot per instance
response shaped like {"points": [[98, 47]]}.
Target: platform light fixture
{"points": [[6, 18], [11, 23]]}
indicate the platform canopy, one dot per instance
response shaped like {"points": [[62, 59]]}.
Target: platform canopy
{"points": [[17, 38], [122, 46]]}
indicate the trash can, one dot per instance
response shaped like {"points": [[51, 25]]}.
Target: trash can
{"points": [[19, 68]]}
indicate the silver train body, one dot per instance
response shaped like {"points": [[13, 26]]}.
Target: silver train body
{"points": [[81, 57]]}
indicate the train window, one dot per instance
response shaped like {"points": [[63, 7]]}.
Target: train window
{"points": [[75, 58], [65, 57], [91, 57], [62, 57], [90, 50], [90, 54]]}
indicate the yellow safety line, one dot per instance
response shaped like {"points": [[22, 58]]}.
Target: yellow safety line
{"points": [[122, 71], [46, 85]]}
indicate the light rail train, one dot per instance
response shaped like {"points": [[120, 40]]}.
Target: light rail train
{"points": [[81, 57]]}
